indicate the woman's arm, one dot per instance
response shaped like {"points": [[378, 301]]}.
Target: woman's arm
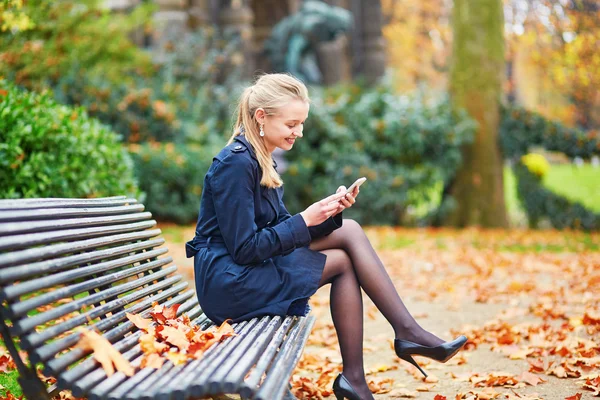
{"points": [[232, 184]]}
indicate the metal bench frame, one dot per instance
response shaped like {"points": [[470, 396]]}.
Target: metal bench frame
{"points": [[66, 263]]}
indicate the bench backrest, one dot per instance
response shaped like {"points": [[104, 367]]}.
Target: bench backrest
{"points": [[68, 263]]}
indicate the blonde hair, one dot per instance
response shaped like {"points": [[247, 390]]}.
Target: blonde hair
{"points": [[270, 92]]}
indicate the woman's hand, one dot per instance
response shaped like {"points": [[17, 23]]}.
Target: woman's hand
{"points": [[348, 200], [321, 210]]}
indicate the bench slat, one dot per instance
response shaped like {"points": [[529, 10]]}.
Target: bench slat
{"points": [[249, 385], [282, 367], [41, 253], [56, 213], [234, 378], [31, 322], [21, 272], [29, 204], [214, 382], [17, 228], [38, 284], [34, 239]]}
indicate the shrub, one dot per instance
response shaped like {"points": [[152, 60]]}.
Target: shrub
{"points": [[53, 150], [172, 177]]}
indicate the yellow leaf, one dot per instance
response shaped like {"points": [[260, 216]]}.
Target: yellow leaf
{"points": [[104, 353]]}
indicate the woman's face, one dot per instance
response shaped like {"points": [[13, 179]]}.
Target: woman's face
{"points": [[282, 128]]}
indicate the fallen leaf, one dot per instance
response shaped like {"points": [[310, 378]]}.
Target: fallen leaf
{"points": [[152, 360], [139, 321], [104, 352], [530, 379]]}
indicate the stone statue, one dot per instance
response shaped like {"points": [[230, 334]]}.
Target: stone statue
{"points": [[294, 42]]}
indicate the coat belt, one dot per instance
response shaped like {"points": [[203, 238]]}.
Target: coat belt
{"points": [[199, 242]]}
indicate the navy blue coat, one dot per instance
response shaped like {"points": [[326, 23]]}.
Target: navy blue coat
{"points": [[251, 257]]}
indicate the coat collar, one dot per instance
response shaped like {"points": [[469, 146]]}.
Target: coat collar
{"points": [[242, 139]]}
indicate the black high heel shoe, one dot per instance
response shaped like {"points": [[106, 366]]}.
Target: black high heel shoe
{"points": [[442, 353], [342, 389]]}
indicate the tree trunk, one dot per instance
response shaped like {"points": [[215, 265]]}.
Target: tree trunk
{"points": [[476, 75]]}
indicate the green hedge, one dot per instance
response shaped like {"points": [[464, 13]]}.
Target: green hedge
{"points": [[404, 145], [53, 150], [520, 131], [172, 177]]}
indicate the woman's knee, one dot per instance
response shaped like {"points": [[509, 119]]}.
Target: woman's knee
{"points": [[338, 263], [350, 231]]}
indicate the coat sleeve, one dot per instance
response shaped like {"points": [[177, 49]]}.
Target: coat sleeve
{"points": [[317, 231], [232, 184]]}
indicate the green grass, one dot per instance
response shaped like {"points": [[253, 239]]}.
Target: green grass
{"points": [[576, 183], [9, 380], [580, 184]]}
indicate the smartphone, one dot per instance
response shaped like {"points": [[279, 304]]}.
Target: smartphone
{"points": [[357, 183]]}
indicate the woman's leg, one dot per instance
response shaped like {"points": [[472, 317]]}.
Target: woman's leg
{"points": [[347, 314], [375, 281]]}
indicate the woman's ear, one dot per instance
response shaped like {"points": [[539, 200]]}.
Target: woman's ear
{"points": [[259, 115]]}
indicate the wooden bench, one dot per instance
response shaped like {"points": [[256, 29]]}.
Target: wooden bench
{"points": [[69, 263]]}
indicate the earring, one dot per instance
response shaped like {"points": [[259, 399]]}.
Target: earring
{"points": [[262, 132]]}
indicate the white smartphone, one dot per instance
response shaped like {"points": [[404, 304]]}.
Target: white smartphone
{"points": [[357, 183]]}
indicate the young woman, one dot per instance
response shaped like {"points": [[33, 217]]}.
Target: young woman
{"points": [[251, 257]]}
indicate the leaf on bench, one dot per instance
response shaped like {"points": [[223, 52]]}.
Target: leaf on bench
{"points": [[162, 314], [153, 360], [104, 352], [174, 336], [139, 321], [150, 345], [189, 340]]}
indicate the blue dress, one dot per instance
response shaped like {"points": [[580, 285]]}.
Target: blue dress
{"points": [[251, 257]]}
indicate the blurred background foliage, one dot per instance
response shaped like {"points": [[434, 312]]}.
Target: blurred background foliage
{"points": [[172, 116]]}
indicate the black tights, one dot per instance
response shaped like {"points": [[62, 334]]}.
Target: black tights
{"points": [[352, 264]]}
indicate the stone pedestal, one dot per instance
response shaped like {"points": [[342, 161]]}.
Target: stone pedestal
{"points": [[333, 60], [199, 13], [236, 16], [367, 40], [171, 22]]}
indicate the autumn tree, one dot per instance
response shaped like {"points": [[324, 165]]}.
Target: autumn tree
{"points": [[476, 75], [418, 42]]}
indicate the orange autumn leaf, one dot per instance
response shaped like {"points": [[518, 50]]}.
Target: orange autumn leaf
{"points": [[173, 335], [196, 350], [139, 321], [530, 379], [171, 312], [104, 353], [152, 360], [380, 385], [439, 397], [149, 344], [576, 396], [176, 358]]}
